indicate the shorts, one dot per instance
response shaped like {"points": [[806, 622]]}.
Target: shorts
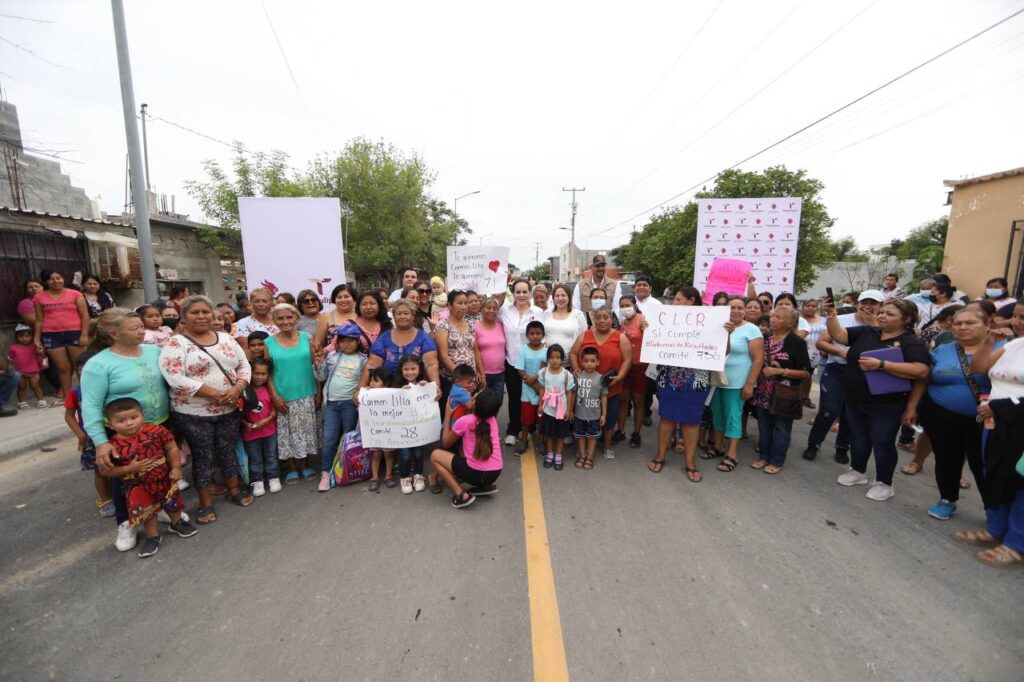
{"points": [[553, 427], [88, 458], [527, 414], [466, 473], [636, 380], [586, 429], [55, 340]]}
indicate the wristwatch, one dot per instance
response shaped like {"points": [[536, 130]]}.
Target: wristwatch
{"points": [[881, 364]]}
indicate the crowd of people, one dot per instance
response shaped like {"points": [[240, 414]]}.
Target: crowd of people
{"points": [[185, 380]]}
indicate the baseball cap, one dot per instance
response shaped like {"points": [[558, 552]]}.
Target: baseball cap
{"points": [[871, 295], [22, 328], [599, 259], [349, 330]]}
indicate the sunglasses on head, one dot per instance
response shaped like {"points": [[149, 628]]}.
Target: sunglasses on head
{"points": [[423, 291]]}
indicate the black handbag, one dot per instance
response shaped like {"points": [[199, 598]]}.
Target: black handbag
{"points": [[248, 399], [785, 402]]}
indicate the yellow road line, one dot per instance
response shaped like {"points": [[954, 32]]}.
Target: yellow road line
{"points": [[545, 623]]}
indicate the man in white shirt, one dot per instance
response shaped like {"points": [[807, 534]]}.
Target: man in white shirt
{"points": [[597, 280], [409, 279], [642, 290]]}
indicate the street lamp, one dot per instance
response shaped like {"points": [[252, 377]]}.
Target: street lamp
{"points": [[483, 237], [455, 204]]}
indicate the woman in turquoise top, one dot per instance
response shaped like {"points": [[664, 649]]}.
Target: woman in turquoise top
{"points": [[742, 367], [123, 368], [294, 391]]}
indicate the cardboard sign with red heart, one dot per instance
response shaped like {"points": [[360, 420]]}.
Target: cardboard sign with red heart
{"points": [[483, 269]]}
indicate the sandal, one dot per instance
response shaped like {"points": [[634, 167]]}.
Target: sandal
{"points": [[656, 466], [291, 478], [558, 463], [694, 475], [579, 462], [759, 464], [982, 538], [435, 484], [727, 464], [588, 463], [308, 474], [205, 512], [964, 484], [1000, 556], [712, 453], [240, 498], [771, 469], [374, 485], [911, 468], [23, 405]]}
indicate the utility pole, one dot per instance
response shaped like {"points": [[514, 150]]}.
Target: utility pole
{"points": [[572, 229], [124, 67], [145, 143], [536, 255]]}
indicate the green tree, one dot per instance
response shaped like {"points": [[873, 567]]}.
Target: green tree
{"points": [[665, 248], [541, 272], [845, 250], [925, 244], [393, 222]]}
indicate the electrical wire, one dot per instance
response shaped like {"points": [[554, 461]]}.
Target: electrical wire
{"points": [[819, 120], [287, 64]]}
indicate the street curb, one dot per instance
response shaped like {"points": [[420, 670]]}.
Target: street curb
{"points": [[12, 447]]}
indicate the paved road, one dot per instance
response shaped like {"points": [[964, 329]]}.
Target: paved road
{"points": [[742, 576]]}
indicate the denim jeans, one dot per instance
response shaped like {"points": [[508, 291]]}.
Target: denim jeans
{"points": [[262, 457], [410, 461], [1006, 522], [773, 435], [873, 428], [340, 417], [496, 382], [830, 406], [8, 382]]}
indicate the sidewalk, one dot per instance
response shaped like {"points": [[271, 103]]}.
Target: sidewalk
{"points": [[30, 429]]}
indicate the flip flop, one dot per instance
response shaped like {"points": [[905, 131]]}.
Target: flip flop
{"points": [[693, 475], [656, 466], [291, 478], [1000, 556], [205, 511]]}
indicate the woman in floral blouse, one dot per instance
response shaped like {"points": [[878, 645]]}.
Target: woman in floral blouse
{"points": [[456, 344], [207, 372]]}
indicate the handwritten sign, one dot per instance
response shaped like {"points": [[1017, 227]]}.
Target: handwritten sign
{"points": [[728, 275], [394, 418], [483, 269], [686, 336]]}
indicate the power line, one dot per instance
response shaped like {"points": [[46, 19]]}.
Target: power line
{"points": [[32, 19], [827, 116], [653, 90], [287, 64]]}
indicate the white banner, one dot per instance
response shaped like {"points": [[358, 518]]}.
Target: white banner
{"points": [[291, 244], [686, 336], [761, 231], [394, 418], [483, 269]]}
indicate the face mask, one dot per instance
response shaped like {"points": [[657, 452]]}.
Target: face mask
{"points": [[926, 295], [628, 312], [597, 303], [170, 322], [994, 293]]}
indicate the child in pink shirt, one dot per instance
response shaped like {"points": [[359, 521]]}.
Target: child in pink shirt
{"points": [[24, 358]]}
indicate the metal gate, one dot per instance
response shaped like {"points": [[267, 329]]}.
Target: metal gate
{"points": [[24, 254]]}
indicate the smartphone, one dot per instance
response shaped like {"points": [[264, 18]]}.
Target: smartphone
{"points": [[831, 296]]}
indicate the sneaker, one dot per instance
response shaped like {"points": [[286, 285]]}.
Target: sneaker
{"points": [[521, 447], [618, 436], [483, 490], [406, 485], [647, 420], [880, 492], [842, 456], [107, 509], [549, 460], [126, 537], [8, 412], [852, 477], [470, 499], [183, 485], [419, 484], [942, 510], [634, 440], [811, 452], [162, 516], [325, 482], [274, 485], [258, 490], [42, 404], [511, 440], [609, 453], [183, 529], [150, 546]]}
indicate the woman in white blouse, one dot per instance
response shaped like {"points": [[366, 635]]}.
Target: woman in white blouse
{"points": [[563, 324]]}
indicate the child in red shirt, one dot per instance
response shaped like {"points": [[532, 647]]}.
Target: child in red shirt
{"points": [[148, 462], [25, 359]]}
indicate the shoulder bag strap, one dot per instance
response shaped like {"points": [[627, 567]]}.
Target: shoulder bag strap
{"points": [[210, 355], [968, 374]]}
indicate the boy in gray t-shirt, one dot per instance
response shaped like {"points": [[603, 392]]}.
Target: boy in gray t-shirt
{"points": [[591, 409]]}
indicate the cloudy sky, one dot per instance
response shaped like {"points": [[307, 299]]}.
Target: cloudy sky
{"points": [[637, 102]]}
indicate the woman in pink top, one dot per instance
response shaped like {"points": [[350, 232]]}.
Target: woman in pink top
{"points": [[62, 325], [490, 339], [480, 461]]}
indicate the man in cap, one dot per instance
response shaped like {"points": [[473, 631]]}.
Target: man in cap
{"points": [[597, 280], [832, 400]]}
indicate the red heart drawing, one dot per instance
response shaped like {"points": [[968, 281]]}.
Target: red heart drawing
{"points": [[757, 250], [726, 221], [710, 208], [739, 236], [787, 249], [790, 221], [767, 265], [741, 207], [494, 265], [758, 221], [773, 206]]}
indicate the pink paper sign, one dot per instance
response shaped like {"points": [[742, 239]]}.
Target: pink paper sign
{"points": [[728, 275]]}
